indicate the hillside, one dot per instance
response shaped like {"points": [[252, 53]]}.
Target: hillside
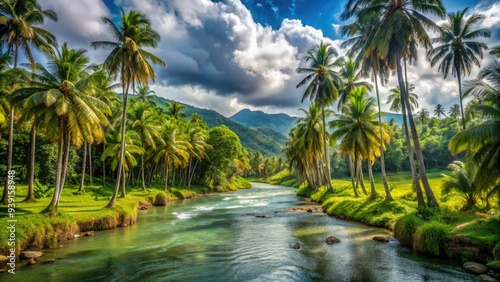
{"points": [[281, 123], [250, 138]]}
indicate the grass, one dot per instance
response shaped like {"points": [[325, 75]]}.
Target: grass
{"points": [[427, 230], [80, 212]]}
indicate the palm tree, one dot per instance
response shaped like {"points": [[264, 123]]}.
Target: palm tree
{"points": [[145, 124], [174, 109], [495, 51], [360, 134], [322, 87], [130, 61], [483, 140], [171, 149], [401, 27], [197, 139], [439, 111], [60, 95], [350, 74], [458, 50], [423, 116], [143, 93], [454, 111], [462, 181], [19, 30], [395, 98]]}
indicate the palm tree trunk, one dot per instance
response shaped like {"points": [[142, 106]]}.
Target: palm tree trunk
{"points": [[84, 165], [52, 207], [91, 167], [142, 171], [192, 173], [173, 178], [457, 68], [166, 177], [65, 165], [327, 155], [31, 195], [103, 166], [124, 180], [111, 203], [361, 178], [351, 170], [11, 137], [388, 195], [373, 192], [421, 165]]}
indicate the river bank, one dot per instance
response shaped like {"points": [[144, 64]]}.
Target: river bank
{"points": [[450, 233], [82, 213]]}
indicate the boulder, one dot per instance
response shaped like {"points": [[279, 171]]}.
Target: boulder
{"points": [[475, 267], [295, 246], [30, 254], [76, 235], [32, 261], [332, 240], [49, 261], [309, 210], [89, 233], [487, 278], [381, 239], [496, 276]]}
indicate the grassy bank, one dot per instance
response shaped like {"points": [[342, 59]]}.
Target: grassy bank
{"points": [[85, 212], [460, 235]]}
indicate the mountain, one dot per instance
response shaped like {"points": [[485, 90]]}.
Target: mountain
{"points": [[252, 139], [281, 123]]}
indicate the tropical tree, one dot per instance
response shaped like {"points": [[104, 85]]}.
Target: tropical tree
{"points": [[19, 30], [60, 95], [423, 116], [174, 109], [360, 134], [454, 111], [439, 111], [197, 151], [458, 50], [482, 141], [145, 124], [350, 73], [130, 61], [322, 87], [143, 93], [394, 98], [461, 180]]}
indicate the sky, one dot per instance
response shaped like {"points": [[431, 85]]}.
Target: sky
{"points": [[234, 54]]}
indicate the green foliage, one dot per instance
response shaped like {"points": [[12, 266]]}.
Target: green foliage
{"points": [[41, 191], [160, 199], [405, 228], [430, 236]]}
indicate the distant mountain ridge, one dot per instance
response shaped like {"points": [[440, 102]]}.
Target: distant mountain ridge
{"points": [[281, 123]]}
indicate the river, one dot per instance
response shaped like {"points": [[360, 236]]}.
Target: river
{"points": [[219, 238]]}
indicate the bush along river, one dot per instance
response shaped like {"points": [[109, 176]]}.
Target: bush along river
{"points": [[248, 235]]}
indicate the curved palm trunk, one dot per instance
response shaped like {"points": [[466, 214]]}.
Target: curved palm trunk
{"points": [[91, 168], [388, 195], [373, 192], [111, 203], [361, 178], [420, 159], [327, 155], [460, 97], [84, 165], [65, 166], [166, 177], [31, 195], [142, 171], [52, 208], [124, 178], [103, 166], [353, 175]]}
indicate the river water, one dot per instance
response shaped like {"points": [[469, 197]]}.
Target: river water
{"points": [[219, 238]]}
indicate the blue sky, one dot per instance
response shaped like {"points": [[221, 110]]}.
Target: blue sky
{"points": [[234, 54]]}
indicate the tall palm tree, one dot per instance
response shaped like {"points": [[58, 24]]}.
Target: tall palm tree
{"points": [[495, 51], [454, 111], [350, 74], [423, 116], [19, 20], [483, 140], [359, 132], [462, 181], [439, 111], [459, 50], [322, 87], [143, 93], [174, 109], [171, 149], [402, 25], [130, 62], [197, 138], [394, 98], [61, 96], [146, 125]]}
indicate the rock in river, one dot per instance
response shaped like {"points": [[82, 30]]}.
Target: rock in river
{"points": [[295, 246], [30, 254], [381, 239], [475, 267], [332, 240], [487, 278]]}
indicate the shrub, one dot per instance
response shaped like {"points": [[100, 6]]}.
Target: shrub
{"points": [[430, 237], [405, 228], [160, 199]]}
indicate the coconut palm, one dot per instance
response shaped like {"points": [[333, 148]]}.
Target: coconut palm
{"points": [[174, 109], [459, 50], [359, 132], [145, 124], [60, 95], [394, 99], [439, 111], [143, 93], [130, 62], [350, 74], [483, 140], [19, 30], [322, 87], [495, 51], [423, 116], [461, 180], [197, 152], [454, 111], [172, 149]]}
